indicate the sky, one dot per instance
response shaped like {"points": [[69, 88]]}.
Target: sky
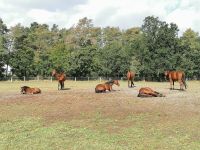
{"points": [[119, 13]]}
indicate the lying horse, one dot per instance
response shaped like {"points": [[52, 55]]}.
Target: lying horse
{"points": [[106, 86], [130, 77], [60, 78], [148, 92], [28, 90], [176, 76]]}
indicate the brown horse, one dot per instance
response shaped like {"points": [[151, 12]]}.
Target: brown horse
{"points": [[60, 78], [106, 86], [130, 77], [176, 76], [28, 90], [148, 92]]}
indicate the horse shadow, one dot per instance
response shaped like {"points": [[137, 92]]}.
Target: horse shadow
{"points": [[132, 86], [176, 89], [66, 89]]}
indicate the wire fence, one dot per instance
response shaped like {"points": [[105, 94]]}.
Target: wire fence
{"points": [[51, 79]]}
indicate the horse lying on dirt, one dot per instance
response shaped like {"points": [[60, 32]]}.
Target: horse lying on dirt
{"points": [[106, 86], [148, 92], [28, 90]]}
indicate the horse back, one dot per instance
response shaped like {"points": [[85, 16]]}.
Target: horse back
{"points": [[100, 88], [176, 75], [130, 75], [33, 90]]}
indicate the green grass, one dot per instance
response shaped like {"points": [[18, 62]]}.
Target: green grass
{"points": [[32, 133]]}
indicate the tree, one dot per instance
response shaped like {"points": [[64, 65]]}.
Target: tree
{"points": [[3, 47], [22, 57], [163, 51], [190, 42]]}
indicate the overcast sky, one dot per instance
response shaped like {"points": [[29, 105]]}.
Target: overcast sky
{"points": [[122, 13]]}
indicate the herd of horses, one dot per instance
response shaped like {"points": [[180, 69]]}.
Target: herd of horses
{"points": [[172, 76]]}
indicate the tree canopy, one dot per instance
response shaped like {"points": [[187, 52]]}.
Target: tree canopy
{"points": [[85, 50]]}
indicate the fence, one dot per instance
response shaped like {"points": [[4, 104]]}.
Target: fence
{"points": [[40, 78]]}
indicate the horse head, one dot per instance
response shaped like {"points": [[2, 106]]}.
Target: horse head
{"points": [[166, 74], [53, 72], [24, 89], [116, 82]]}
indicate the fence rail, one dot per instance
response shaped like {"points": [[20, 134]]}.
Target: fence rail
{"points": [[40, 78]]}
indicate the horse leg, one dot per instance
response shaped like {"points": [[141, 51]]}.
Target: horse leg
{"points": [[59, 85], [181, 85], [63, 84], [171, 82], [128, 82], [132, 84]]}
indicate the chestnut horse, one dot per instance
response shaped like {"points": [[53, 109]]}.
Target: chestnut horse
{"points": [[60, 78], [106, 86], [176, 76], [148, 92], [130, 77], [28, 90]]}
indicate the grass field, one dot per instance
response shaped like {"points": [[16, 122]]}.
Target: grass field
{"points": [[78, 118]]}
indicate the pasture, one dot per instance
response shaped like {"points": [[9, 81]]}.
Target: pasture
{"points": [[78, 118]]}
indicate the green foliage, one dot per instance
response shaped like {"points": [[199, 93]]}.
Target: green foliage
{"points": [[86, 50]]}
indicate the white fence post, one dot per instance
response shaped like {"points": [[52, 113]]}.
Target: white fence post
{"points": [[99, 79], [75, 79], [11, 79], [24, 78], [38, 78], [51, 79]]}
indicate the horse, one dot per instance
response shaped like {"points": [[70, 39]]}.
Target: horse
{"points": [[106, 86], [148, 92], [176, 76], [28, 90], [61, 79], [130, 77]]}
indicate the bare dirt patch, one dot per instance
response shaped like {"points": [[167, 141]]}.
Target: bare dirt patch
{"points": [[83, 103]]}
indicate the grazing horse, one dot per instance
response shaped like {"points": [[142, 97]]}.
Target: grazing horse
{"points": [[60, 78], [130, 77], [176, 76], [106, 86], [28, 90], [148, 92]]}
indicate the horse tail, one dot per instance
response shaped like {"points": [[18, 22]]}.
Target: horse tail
{"points": [[184, 82]]}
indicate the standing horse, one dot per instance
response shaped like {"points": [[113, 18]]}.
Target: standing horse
{"points": [[176, 76], [60, 78], [148, 92], [130, 77], [106, 86], [28, 90]]}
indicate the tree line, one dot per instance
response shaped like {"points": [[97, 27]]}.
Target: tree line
{"points": [[85, 50]]}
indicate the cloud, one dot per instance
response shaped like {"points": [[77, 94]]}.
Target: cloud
{"points": [[125, 14]]}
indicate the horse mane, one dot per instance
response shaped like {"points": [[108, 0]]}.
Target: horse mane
{"points": [[25, 87], [109, 82]]}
